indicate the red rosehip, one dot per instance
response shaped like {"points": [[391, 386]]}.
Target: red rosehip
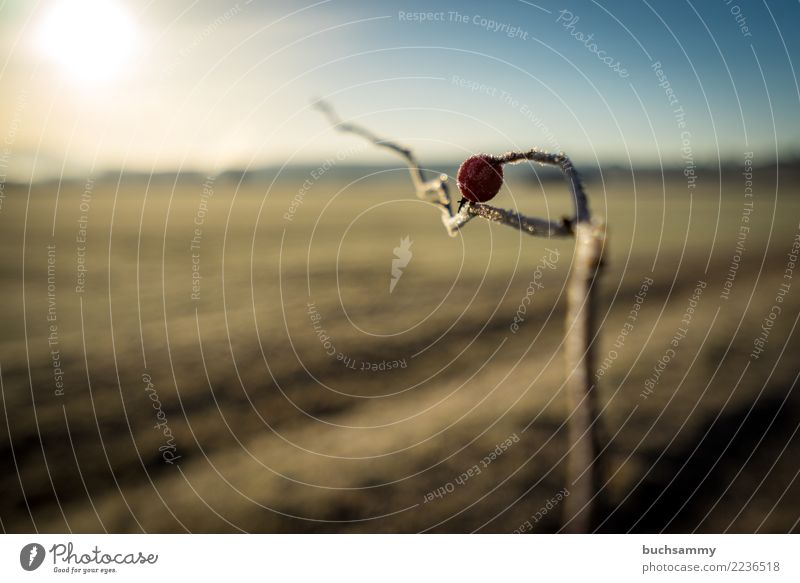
{"points": [[479, 178]]}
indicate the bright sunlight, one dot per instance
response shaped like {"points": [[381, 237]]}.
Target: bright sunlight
{"points": [[90, 40]]}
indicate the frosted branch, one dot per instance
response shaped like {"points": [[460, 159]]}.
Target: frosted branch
{"points": [[584, 464], [436, 190]]}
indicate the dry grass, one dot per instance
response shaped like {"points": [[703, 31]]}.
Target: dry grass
{"points": [[270, 428]]}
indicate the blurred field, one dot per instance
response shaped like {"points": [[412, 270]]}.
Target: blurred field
{"points": [[274, 434]]}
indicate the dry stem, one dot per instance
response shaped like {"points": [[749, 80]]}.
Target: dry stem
{"points": [[583, 466]]}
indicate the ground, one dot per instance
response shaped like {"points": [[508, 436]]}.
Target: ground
{"points": [[233, 359]]}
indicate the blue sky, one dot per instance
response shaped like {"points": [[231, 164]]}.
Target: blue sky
{"points": [[207, 85]]}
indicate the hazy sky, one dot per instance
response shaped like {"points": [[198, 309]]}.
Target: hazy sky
{"points": [[210, 84]]}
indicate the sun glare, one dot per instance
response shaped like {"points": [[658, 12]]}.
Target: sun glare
{"points": [[90, 40]]}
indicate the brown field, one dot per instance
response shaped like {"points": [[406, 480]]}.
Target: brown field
{"points": [[274, 434]]}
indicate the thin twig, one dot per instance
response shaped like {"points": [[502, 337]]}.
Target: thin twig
{"points": [[530, 225], [437, 186], [561, 160]]}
